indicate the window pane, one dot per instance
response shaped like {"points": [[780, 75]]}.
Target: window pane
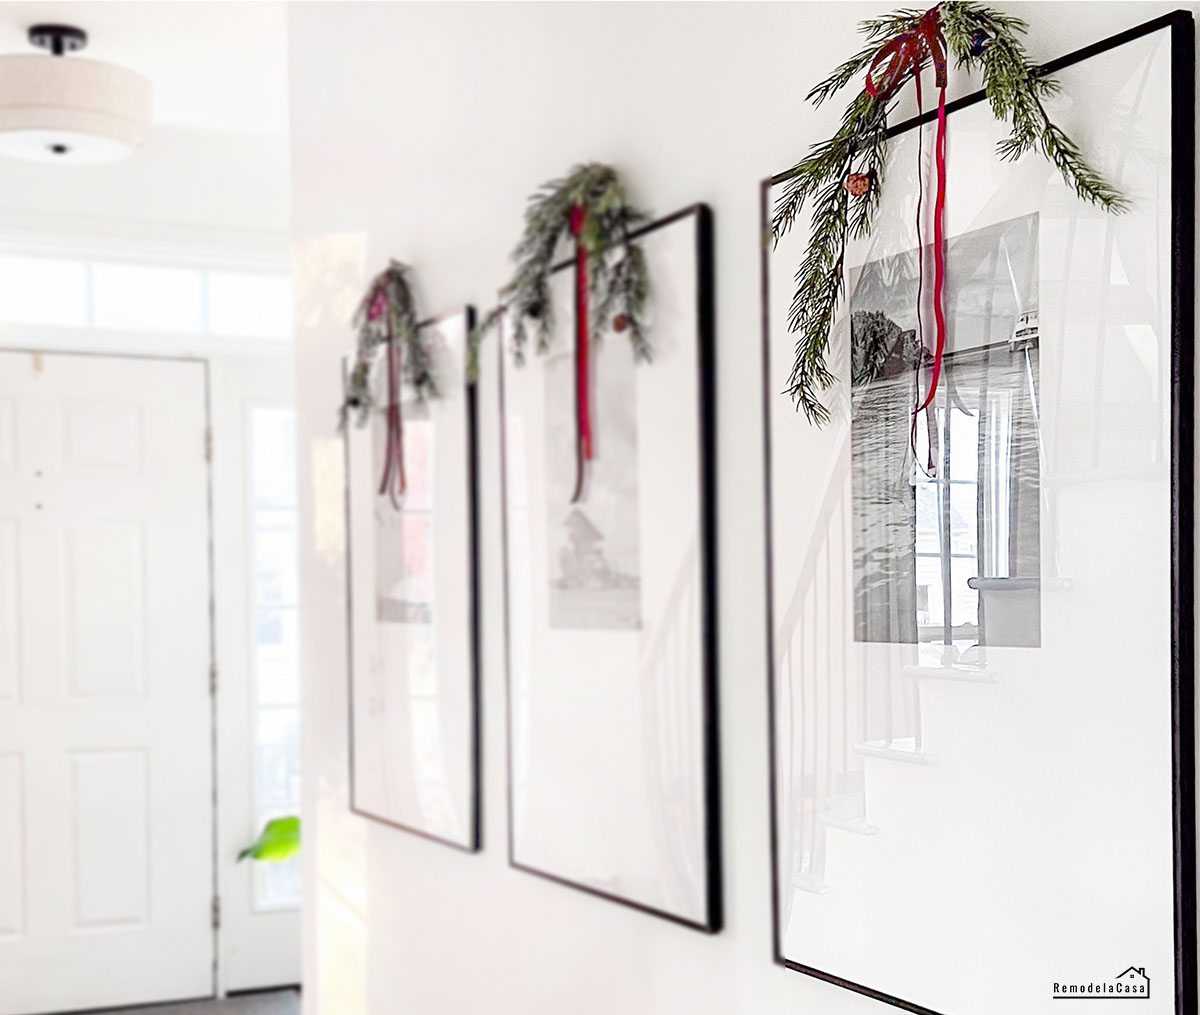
{"points": [[275, 656], [273, 457], [257, 306], [929, 507], [275, 558], [277, 884], [141, 298], [964, 518], [930, 603], [39, 290], [965, 599], [964, 445], [278, 762], [275, 639]]}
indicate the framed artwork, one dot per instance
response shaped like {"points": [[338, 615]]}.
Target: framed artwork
{"points": [[981, 625], [611, 609], [413, 604]]}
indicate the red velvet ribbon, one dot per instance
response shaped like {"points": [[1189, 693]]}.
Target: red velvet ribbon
{"points": [[901, 58], [583, 409], [905, 55], [393, 483], [939, 246]]}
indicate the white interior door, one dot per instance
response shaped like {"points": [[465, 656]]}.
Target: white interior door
{"points": [[106, 834]]}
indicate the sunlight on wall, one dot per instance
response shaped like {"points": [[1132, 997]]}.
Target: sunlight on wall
{"points": [[342, 954], [330, 273]]}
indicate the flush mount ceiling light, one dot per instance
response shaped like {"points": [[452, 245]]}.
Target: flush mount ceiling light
{"points": [[58, 108]]}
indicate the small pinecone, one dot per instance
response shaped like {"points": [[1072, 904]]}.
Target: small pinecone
{"points": [[857, 184], [979, 42], [534, 310], [620, 323]]}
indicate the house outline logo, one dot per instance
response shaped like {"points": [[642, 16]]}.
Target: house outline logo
{"points": [[1135, 977], [1132, 984]]}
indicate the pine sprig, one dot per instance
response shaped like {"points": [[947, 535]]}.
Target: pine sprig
{"points": [[878, 32], [860, 145], [979, 38], [386, 312], [988, 40], [618, 276], [863, 128]]}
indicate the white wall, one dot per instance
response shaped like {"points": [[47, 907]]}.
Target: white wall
{"points": [[417, 132]]}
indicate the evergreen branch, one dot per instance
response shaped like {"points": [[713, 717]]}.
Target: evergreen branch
{"points": [[860, 146], [607, 224], [863, 118], [979, 38], [879, 31], [982, 37], [387, 313]]}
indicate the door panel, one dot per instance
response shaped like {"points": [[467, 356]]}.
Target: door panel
{"points": [[106, 866], [102, 434], [8, 435], [103, 608], [10, 606], [12, 855], [109, 824]]}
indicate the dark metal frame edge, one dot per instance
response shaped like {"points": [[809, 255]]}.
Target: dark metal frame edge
{"points": [[1181, 26], [706, 332], [475, 842]]}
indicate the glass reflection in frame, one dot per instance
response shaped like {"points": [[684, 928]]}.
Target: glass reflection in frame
{"points": [[594, 545], [946, 511], [404, 576], [404, 536]]}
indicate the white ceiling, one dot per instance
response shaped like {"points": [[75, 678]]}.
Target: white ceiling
{"points": [[213, 64]]}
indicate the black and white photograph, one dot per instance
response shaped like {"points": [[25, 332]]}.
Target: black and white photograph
{"points": [[946, 504]]}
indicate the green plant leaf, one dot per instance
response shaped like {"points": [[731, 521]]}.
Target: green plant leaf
{"points": [[278, 841]]}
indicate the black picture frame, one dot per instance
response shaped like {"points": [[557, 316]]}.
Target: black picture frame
{"points": [[1183, 746], [706, 402], [474, 842]]}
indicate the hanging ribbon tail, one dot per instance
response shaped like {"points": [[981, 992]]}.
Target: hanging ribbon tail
{"points": [[919, 355], [583, 360], [895, 62], [394, 482], [903, 57], [931, 30], [939, 252], [396, 439], [931, 433], [393, 471]]}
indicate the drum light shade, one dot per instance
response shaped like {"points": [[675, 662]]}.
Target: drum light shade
{"points": [[56, 109]]}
